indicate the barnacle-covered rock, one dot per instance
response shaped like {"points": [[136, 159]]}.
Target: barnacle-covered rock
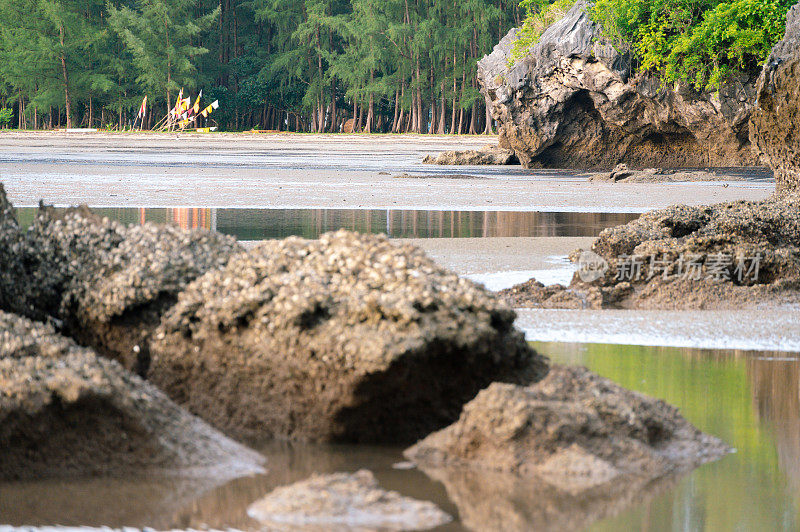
{"points": [[730, 255], [107, 283], [65, 411], [573, 430], [348, 337]]}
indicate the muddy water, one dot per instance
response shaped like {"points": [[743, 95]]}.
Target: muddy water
{"points": [[749, 399], [260, 224]]}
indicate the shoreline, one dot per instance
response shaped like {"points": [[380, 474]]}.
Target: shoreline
{"points": [[309, 171]]}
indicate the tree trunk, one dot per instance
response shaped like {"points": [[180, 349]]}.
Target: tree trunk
{"points": [[473, 120], [333, 128], [488, 130], [371, 112], [396, 109], [67, 102], [442, 112]]}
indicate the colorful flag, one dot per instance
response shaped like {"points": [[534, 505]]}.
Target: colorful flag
{"points": [[176, 110], [142, 108], [196, 107], [207, 111]]}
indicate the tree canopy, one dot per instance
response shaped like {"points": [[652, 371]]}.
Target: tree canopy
{"points": [[306, 65]]}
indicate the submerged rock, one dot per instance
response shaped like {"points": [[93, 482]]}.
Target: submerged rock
{"points": [[621, 173], [575, 101], [344, 502], [107, 283], [731, 255], [488, 155], [64, 411], [775, 125], [345, 338], [573, 430]]}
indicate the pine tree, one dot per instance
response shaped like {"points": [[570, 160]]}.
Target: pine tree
{"points": [[161, 36]]}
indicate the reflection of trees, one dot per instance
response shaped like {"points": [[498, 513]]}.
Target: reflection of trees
{"points": [[775, 384], [251, 224], [259, 224]]}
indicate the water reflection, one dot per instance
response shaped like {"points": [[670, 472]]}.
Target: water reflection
{"points": [[501, 502], [750, 400], [259, 224]]}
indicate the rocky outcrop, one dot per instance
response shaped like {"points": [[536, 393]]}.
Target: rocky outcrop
{"points": [[12, 287], [346, 338], [775, 125], [621, 173], [574, 430], [65, 411], [344, 502], [488, 155], [105, 283], [574, 101], [732, 255]]}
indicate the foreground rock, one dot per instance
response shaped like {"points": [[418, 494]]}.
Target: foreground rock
{"points": [[488, 155], [106, 283], [573, 430], [621, 173], [732, 255], [344, 502], [12, 287], [64, 412], [776, 119], [575, 101], [347, 338]]}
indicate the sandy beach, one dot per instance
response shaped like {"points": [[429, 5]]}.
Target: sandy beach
{"points": [[315, 171]]}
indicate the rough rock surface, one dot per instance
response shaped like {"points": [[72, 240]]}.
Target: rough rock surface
{"points": [[775, 125], [487, 155], [621, 173], [342, 502], [731, 255], [12, 288], [574, 101], [348, 337], [105, 282], [573, 430], [66, 411]]}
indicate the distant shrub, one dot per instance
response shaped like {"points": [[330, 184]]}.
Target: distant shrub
{"points": [[539, 15], [6, 115]]}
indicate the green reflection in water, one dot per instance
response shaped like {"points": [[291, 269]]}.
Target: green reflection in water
{"points": [[750, 400]]}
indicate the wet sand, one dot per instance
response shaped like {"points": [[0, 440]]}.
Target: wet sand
{"points": [[485, 255], [768, 329], [314, 171]]}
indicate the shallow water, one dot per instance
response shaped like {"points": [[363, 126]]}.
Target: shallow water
{"points": [[749, 399], [261, 224]]}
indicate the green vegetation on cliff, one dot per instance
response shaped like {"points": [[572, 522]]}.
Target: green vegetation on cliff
{"points": [[700, 42]]}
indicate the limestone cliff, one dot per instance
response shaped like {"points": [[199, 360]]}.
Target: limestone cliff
{"points": [[775, 126], [575, 101]]}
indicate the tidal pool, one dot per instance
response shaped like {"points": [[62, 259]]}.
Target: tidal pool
{"points": [[749, 399], [260, 224]]}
